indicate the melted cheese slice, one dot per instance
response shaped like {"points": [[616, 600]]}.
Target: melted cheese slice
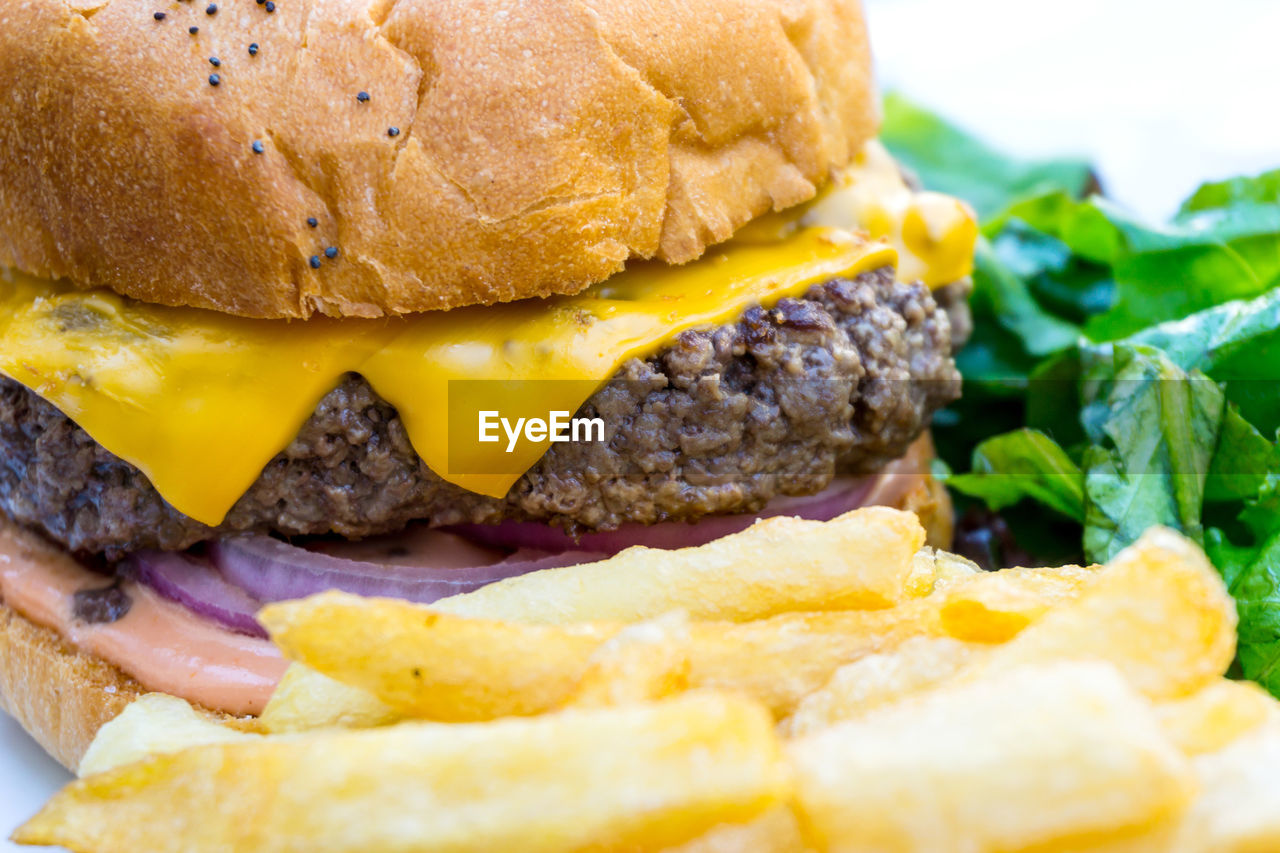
{"points": [[201, 401], [934, 234]]}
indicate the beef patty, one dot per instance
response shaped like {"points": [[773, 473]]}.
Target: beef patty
{"points": [[719, 421]]}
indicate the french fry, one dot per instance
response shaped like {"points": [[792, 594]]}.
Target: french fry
{"points": [[647, 660], [775, 831], [435, 665], [995, 606], [1238, 810], [1061, 757], [154, 723], [1115, 613], [1031, 708], [1213, 717], [781, 660], [931, 567], [1158, 611], [473, 669], [304, 699], [861, 560], [644, 661], [917, 664], [443, 667], [643, 777]]}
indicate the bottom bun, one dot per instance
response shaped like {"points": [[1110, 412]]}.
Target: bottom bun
{"points": [[62, 696]]}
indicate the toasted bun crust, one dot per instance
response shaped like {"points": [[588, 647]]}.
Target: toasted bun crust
{"points": [[60, 695], [541, 143]]}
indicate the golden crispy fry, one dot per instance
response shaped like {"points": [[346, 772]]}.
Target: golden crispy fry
{"points": [[918, 664], [1238, 810], [151, 724], [647, 660], [994, 606], [1056, 755], [643, 661], [781, 660], [775, 831], [1215, 716], [444, 667], [861, 560], [435, 665], [304, 699], [931, 567], [643, 777], [1109, 614], [1158, 611], [468, 669], [934, 707]]}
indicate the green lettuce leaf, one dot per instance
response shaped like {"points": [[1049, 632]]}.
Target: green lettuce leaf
{"points": [[1066, 286], [1242, 461], [1238, 344], [1153, 428], [1253, 579], [1163, 272], [1015, 309], [1121, 373], [1024, 463], [1260, 189]]}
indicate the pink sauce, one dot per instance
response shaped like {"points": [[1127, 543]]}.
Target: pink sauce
{"points": [[163, 645]]}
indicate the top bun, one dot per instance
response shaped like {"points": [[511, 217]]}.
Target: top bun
{"points": [[540, 143]]}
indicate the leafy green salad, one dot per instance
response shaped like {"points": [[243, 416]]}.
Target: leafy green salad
{"points": [[1121, 373]]}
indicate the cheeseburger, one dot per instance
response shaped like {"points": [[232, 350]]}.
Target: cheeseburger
{"points": [[407, 297]]}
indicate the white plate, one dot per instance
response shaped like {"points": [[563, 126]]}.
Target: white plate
{"points": [[28, 777], [1161, 94]]}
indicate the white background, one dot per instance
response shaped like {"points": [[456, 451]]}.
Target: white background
{"points": [[1161, 95]]}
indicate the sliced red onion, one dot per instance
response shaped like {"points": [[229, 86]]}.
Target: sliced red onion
{"points": [[196, 584], [844, 494], [272, 570], [423, 565]]}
